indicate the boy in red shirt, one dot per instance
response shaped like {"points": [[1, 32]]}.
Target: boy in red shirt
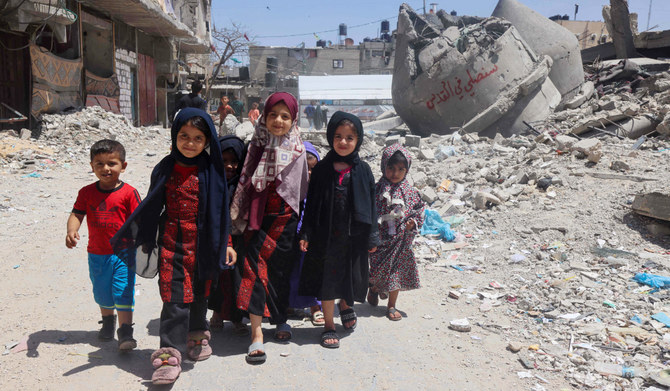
{"points": [[108, 203]]}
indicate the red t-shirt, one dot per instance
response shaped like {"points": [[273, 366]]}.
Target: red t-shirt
{"points": [[106, 211]]}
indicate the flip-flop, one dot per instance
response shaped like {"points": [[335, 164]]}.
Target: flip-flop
{"points": [[256, 358], [392, 311], [348, 315], [283, 328], [318, 319], [330, 334]]}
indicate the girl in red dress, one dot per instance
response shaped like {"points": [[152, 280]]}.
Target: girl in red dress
{"points": [[265, 206]]}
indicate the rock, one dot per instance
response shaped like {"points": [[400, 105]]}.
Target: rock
{"points": [[429, 195], [564, 142], [454, 295], [619, 165], [25, 134], [590, 147], [484, 200], [514, 347], [392, 139], [413, 141], [462, 325], [426, 154], [419, 178]]}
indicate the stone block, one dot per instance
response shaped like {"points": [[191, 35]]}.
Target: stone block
{"points": [[655, 204], [392, 139], [565, 142], [429, 195], [413, 141], [426, 154], [25, 134], [419, 179]]}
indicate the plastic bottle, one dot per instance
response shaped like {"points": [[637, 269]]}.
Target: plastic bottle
{"points": [[617, 370]]}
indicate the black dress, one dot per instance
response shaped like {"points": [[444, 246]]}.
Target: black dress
{"points": [[336, 263]]}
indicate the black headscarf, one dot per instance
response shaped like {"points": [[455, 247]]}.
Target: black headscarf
{"points": [[140, 231], [334, 122], [236, 145]]}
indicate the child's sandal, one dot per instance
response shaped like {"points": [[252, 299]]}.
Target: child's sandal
{"points": [[198, 345], [167, 365]]}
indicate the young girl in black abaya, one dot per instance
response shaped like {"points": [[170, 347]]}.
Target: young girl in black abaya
{"points": [[339, 227]]}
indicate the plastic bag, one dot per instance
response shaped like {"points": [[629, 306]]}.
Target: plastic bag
{"points": [[434, 225], [653, 280]]}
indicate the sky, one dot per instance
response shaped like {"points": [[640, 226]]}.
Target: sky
{"points": [[290, 23]]}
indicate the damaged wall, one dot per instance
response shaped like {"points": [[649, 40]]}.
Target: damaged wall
{"points": [[126, 63]]}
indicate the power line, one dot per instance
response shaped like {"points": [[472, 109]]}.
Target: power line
{"points": [[323, 31]]}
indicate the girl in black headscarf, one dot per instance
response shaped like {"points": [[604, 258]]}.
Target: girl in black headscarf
{"points": [[222, 300], [339, 227]]}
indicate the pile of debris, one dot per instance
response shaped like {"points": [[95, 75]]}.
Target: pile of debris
{"points": [[64, 137], [548, 247]]}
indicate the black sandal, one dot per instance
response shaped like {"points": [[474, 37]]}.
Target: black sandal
{"points": [[330, 334], [347, 316], [373, 297]]}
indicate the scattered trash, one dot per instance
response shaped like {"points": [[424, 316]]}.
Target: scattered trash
{"points": [[662, 317], [434, 225], [653, 280]]}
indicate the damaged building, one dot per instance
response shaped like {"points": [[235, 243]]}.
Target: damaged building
{"points": [[122, 55], [482, 75]]}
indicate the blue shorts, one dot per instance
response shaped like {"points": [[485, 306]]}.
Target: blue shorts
{"points": [[113, 281]]}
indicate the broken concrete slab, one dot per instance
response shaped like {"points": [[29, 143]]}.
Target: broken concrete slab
{"points": [[383, 124], [567, 73], [655, 204]]}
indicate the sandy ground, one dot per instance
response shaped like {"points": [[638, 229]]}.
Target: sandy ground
{"points": [[47, 300]]}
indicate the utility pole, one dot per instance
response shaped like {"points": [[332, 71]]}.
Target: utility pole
{"points": [[648, 15], [576, 10]]}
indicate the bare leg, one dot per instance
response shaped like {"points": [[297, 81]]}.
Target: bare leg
{"points": [[125, 317], [393, 297], [256, 332], [328, 313], [106, 311]]}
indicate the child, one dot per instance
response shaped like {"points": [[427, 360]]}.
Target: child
{"points": [[108, 203], [222, 300], [295, 300], [339, 227], [186, 208], [254, 114], [400, 208], [224, 109], [265, 207]]}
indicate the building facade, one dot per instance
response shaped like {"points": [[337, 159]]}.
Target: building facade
{"points": [[124, 55]]}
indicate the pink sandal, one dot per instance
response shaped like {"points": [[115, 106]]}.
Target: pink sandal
{"points": [[167, 365]]}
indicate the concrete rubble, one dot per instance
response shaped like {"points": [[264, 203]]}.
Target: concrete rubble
{"points": [[62, 138], [547, 244]]}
